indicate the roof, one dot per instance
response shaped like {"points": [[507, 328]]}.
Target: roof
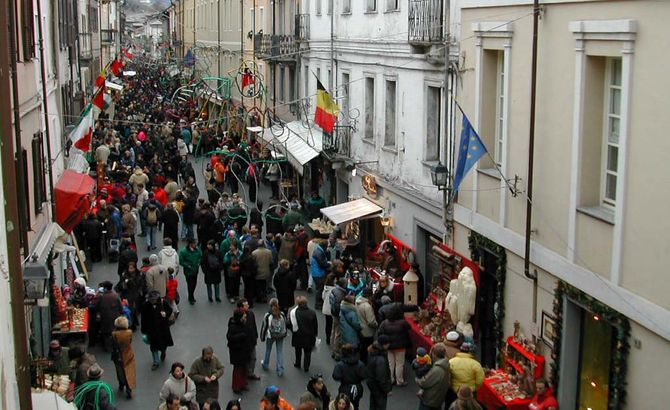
{"points": [[297, 141], [349, 211]]}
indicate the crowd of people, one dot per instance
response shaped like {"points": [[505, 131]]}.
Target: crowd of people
{"points": [[263, 256]]}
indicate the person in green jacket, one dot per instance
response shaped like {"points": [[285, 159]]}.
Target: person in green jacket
{"points": [[292, 218], [189, 259]]}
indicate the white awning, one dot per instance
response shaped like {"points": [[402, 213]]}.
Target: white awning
{"points": [[45, 241], [49, 400], [298, 142], [349, 211]]}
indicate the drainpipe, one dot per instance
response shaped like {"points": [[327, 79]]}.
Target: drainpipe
{"points": [[12, 169], [273, 64], [531, 148], [45, 99], [241, 43], [218, 39]]}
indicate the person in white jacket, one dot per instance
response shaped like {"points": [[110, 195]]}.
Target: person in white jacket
{"points": [[179, 384], [168, 256]]}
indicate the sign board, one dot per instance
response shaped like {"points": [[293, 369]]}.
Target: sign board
{"points": [[370, 185]]}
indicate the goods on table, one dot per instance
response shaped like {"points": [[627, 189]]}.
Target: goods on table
{"points": [[321, 226], [75, 319], [61, 303], [504, 387]]}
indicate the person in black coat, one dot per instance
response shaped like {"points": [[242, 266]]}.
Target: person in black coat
{"points": [[239, 349], [350, 372], [127, 254], [212, 265], [303, 323], [92, 230], [170, 220], [132, 287], [188, 214], [379, 374], [206, 225], [285, 282], [252, 336], [156, 314], [397, 329]]}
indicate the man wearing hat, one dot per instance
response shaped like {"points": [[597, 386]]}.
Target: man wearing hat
{"points": [[60, 358], [453, 343], [94, 394]]}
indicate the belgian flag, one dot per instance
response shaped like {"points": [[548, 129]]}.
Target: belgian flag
{"points": [[327, 110]]}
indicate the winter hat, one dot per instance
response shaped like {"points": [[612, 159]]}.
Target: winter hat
{"points": [[467, 347], [94, 372], [81, 282], [121, 322], [153, 259], [464, 393], [453, 336], [421, 351], [386, 300]]}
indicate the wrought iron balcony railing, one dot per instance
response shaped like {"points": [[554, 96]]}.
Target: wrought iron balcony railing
{"points": [[107, 36], [339, 142], [277, 47], [425, 22], [85, 46]]}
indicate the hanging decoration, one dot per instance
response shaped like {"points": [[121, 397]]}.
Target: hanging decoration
{"points": [[621, 325], [478, 243]]}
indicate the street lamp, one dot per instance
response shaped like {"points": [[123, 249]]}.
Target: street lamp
{"points": [[440, 175], [35, 278]]}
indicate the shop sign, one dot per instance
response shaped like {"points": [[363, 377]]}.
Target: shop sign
{"points": [[370, 185]]}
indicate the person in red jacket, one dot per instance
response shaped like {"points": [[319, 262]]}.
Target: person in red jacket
{"points": [[161, 196], [543, 399], [172, 292]]}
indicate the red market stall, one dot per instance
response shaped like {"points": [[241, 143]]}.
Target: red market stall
{"points": [[72, 198]]}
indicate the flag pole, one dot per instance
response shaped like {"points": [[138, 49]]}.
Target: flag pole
{"points": [[495, 164]]}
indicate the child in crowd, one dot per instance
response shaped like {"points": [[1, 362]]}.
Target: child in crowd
{"points": [[421, 365], [172, 292]]}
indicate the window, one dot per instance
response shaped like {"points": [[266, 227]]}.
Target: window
{"points": [[611, 134], [318, 7], [500, 104], [306, 86], [344, 96], [261, 19], [390, 114], [39, 186], [369, 108], [291, 84], [330, 82], [28, 26], [370, 5], [282, 84], [433, 112], [492, 118], [392, 5], [346, 6]]}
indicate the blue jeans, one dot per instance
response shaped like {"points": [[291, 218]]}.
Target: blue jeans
{"points": [[156, 356], [217, 292], [280, 354], [151, 235]]}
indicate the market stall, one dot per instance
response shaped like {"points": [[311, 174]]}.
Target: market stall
{"points": [[512, 386]]}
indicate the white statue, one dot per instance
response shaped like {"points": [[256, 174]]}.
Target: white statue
{"points": [[467, 295], [452, 300]]}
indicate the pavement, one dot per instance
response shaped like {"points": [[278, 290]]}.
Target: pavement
{"points": [[205, 324]]}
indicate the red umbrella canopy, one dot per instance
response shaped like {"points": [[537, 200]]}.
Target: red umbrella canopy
{"points": [[72, 201]]}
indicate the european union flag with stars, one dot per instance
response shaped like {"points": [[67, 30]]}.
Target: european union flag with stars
{"points": [[471, 149]]}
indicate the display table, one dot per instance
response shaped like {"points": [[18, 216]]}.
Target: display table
{"points": [[418, 339], [489, 397], [66, 330]]}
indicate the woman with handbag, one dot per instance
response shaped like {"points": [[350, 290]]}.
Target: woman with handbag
{"points": [[123, 356]]}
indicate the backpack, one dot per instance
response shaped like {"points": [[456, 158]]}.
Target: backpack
{"points": [[152, 216], [277, 327]]}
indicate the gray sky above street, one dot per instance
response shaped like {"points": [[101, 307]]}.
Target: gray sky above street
{"points": [[145, 7]]}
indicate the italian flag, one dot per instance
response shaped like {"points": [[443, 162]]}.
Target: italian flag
{"points": [[82, 135], [326, 109]]}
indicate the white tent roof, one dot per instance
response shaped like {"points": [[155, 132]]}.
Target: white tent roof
{"points": [[349, 211], [297, 141]]}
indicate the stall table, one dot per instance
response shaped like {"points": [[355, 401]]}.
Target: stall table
{"points": [[66, 333], [489, 397], [418, 339]]}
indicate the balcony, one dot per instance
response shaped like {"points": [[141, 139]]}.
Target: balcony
{"points": [[425, 22], [302, 27], [85, 46], [107, 36], [339, 143], [279, 48]]}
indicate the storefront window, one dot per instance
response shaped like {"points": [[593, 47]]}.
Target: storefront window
{"points": [[595, 362]]}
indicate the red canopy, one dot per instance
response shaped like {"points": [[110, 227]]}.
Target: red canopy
{"points": [[72, 202]]}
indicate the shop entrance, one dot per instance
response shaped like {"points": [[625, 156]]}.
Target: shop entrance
{"points": [[486, 300]]}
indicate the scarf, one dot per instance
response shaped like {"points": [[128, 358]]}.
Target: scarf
{"points": [[294, 319]]}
